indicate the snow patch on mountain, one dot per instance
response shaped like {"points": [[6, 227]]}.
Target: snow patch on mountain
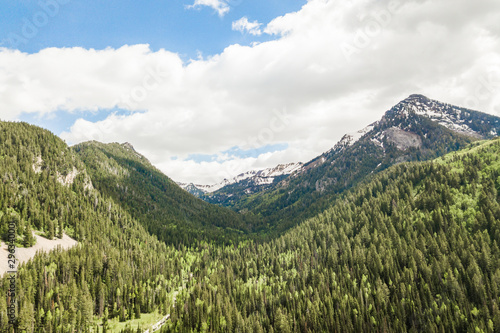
{"points": [[449, 116], [350, 138], [257, 177], [201, 189]]}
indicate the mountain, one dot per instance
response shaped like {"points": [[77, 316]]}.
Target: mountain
{"points": [[396, 125], [415, 129], [195, 190], [245, 183], [413, 249], [166, 210], [117, 271]]}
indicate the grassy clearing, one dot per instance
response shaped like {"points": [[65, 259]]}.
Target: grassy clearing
{"points": [[145, 322]]}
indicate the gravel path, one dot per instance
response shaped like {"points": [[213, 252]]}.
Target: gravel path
{"points": [[42, 244]]}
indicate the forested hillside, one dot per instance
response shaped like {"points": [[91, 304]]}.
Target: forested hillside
{"points": [[416, 129], [414, 248], [166, 210], [117, 270]]}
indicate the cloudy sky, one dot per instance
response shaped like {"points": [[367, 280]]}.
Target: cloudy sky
{"points": [[207, 89]]}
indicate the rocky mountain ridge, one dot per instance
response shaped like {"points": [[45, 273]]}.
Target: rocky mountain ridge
{"points": [[253, 178], [415, 129]]}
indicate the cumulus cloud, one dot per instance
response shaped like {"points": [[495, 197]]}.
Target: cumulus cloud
{"points": [[333, 67], [220, 6], [243, 25]]}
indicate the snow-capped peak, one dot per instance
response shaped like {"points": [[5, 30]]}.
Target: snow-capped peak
{"points": [[258, 177], [449, 116], [280, 170]]}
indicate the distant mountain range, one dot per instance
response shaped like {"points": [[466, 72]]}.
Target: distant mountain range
{"points": [[254, 180], [417, 128], [358, 239]]}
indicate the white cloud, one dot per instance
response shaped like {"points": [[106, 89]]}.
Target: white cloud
{"points": [[243, 25], [207, 106], [220, 6]]}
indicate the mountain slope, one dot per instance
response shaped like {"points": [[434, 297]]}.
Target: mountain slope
{"points": [[415, 249], [117, 270], [156, 201], [415, 129]]}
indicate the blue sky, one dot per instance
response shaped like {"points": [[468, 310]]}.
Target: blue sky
{"points": [[238, 152], [167, 24], [208, 89], [61, 121]]}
